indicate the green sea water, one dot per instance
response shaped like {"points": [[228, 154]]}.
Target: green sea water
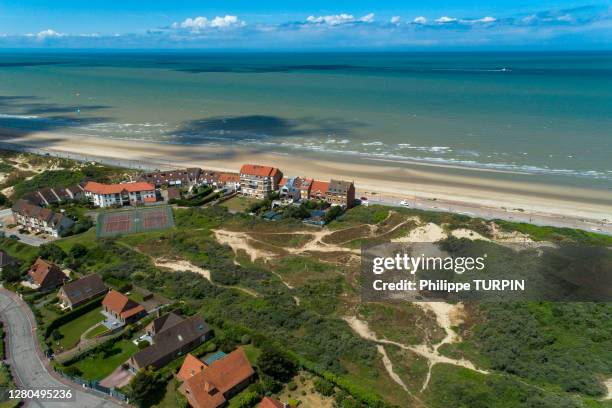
{"points": [[549, 114]]}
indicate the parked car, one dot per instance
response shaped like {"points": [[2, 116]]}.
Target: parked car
{"points": [[13, 236]]}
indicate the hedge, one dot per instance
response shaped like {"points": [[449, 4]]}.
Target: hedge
{"points": [[73, 314]]}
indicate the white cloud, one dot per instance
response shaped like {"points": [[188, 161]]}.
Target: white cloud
{"points": [[486, 19], [395, 19], [338, 19], [368, 18], [420, 20], [446, 19], [200, 23], [49, 33]]}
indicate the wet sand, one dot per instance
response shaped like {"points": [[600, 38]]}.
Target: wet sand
{"points": [[385, 180]]}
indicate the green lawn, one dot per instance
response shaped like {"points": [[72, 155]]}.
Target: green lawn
{"points": [[95, 332], [73, 330], [97, 366], [238, 203], [252, 353]]}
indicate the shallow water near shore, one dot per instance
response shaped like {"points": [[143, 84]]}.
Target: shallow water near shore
{"points": [[547, 116]]}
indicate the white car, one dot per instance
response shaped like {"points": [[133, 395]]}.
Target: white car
{"points": [[405, 203]]}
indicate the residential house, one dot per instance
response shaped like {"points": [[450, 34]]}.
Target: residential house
{"points": [[213, 386], [119, 309], [81, 291], [171, 337], [341, 193], [108, 195], [304, 188], [291, 188], [178, 177], [230, 181], [38, 219], [259, 181], [7, 261], [268, 402], [47, 196], [318, 190], [44, 275], [191, 366]]}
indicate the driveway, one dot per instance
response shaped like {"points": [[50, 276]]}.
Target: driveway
{"points": [[29, 367]]}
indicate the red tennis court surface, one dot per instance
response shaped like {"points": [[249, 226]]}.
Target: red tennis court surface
{"points": [[154, 219], [117, 223], [134, 220]]}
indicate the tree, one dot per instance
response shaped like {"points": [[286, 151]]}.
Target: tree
{"points": [[145, 387], [332, 213], [52, 252], [78, 251], [11, 273], [3, 199], [274, 363], [72, 371]]}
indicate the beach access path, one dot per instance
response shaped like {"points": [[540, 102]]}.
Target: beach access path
{"points": [[30, 368]]}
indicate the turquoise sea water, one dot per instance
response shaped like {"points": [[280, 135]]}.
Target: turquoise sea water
{"points": [[549, 114]]}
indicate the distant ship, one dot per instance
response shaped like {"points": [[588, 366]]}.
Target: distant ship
{"points": [[505, 70]]}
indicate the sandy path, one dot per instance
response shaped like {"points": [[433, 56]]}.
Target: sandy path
{"points": [[180, 265], [389, 367], [443, 313], [608, 384]]}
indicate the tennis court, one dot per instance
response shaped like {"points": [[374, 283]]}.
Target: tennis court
{"points": [[133, 221]]}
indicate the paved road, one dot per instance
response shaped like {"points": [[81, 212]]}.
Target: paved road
{"points": [[26, 362]]}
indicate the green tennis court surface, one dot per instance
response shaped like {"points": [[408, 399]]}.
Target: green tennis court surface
{"points": [[133, 221]]}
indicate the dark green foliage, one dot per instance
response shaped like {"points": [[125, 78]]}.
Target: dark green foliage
{"points": [[324, 387], [248, 400], [146, 388], [52, 252], [568, 344], [78, 251], [11, 273], [459, 387], [4, 200], [298, 212], [275, 364], [72, 371], [332, 213]]}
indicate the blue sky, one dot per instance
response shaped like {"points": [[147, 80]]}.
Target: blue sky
{"points": [[313, 24]]}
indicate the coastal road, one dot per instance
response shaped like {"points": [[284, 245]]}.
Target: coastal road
{"points": [[27, 363]]}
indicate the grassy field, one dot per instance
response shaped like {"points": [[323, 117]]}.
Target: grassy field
{"points": [[238, 203], [98, 366], [73, 330]]}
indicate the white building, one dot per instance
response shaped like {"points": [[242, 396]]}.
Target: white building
{"points": [[108, 195], [259, 181], [38, 219]]}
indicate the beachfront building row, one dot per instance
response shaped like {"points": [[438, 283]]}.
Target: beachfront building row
{"points": [[40, 220], [259, 181], [174, 178], [113, 195], [334, 192]]}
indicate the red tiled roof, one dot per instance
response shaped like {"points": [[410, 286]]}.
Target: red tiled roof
{"points": [[206, 389], [191, 366], [99, 188], [257, 170], [319, 186], [268, 402], [42, 271], [121, 304], [229, 178]]}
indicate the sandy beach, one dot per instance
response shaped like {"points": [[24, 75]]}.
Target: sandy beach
{"points": [[385, 180]]}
